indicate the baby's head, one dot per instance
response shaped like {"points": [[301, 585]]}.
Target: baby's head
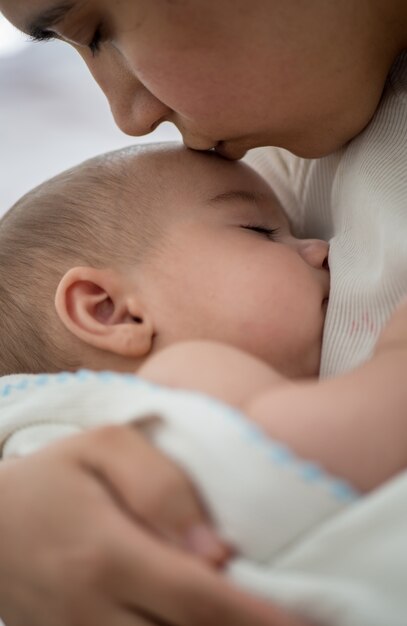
{"points": [[132, 251]]}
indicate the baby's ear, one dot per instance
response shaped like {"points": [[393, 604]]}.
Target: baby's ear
{"points": [[100, 307]]}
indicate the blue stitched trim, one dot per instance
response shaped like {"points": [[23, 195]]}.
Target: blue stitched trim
{"points": [[278, 453]]}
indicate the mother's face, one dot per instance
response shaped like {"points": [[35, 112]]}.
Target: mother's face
{"points": [[231, 73]]}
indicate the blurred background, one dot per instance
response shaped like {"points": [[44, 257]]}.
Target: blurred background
{"points": [[52, 114]]}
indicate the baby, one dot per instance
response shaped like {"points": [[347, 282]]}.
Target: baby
{"points": [[151, 229], [182, 267]]}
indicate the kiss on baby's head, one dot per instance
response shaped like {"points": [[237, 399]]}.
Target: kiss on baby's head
{"points": [[132, 251]]}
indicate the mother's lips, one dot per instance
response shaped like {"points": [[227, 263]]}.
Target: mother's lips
{"points": [[225, 149], [229, 151]]}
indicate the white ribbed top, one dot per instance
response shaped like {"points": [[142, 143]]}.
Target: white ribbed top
{"points": [[356, 198]]}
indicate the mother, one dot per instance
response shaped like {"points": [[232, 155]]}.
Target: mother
{"points": [[305, 75]]}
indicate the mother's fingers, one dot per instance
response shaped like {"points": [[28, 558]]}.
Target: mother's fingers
{"points": [[177, 589], [150, 487]]}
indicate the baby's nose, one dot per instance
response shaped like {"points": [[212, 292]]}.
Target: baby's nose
{"points": [[315, 252]]}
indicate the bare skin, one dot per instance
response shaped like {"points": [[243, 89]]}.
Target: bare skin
{"points": [[303, 75]]}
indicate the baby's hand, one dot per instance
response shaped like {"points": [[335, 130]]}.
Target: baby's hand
{"points": [[394, 334]]}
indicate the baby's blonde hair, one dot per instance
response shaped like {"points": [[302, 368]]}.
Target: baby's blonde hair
{"points": [[97, 214]]}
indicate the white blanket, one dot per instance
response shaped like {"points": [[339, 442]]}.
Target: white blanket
{"points": [[304, 538]]}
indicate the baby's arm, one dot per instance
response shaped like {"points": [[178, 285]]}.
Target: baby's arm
{"points": [[355, 425]]}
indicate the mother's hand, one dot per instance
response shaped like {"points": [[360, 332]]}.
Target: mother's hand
{"points": [[74, 551]]}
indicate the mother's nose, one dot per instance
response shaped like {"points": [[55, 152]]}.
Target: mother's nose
{"points": [[314, 252], [135, 109]]}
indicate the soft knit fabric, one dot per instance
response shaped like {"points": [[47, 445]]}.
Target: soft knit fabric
{"points": [[356, 198]]}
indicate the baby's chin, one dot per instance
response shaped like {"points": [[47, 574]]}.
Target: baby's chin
{"points": [[291, 372], [305, 365]]}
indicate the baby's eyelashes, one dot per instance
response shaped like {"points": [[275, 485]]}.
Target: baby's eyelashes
{"points": [[269, 233]]}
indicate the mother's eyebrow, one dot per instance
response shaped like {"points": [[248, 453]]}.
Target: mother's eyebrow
{"points": [[47, 18]]}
